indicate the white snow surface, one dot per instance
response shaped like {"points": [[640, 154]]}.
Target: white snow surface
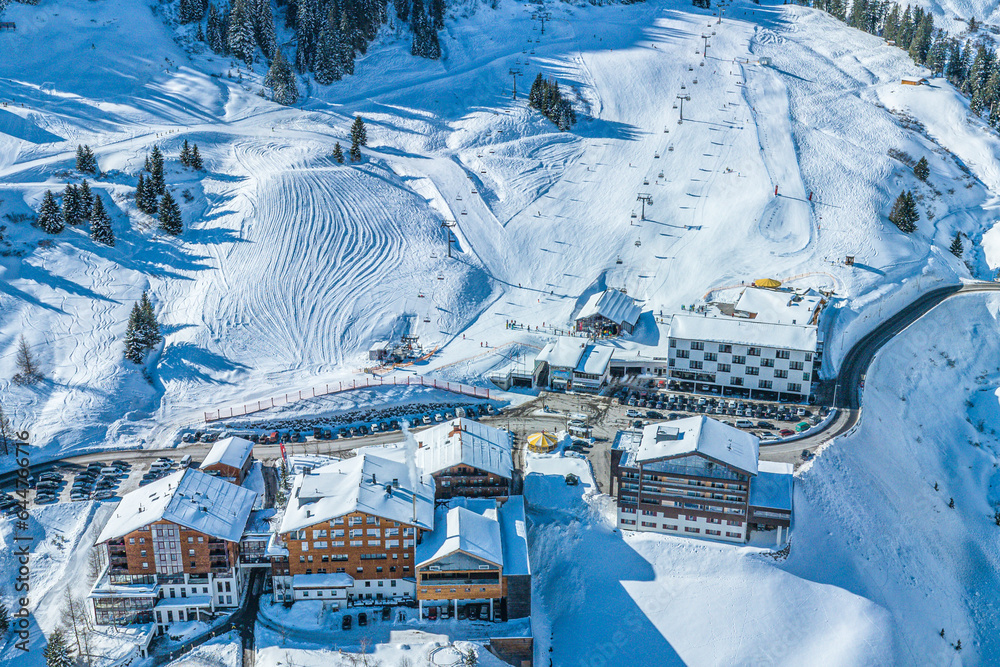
{"points": [[291, 266]]}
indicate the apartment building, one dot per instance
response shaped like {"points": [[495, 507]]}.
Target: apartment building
{"points": [[572, 364], [172, 551], [359, 519], [695, 477], [466, 458], [744, 357]]}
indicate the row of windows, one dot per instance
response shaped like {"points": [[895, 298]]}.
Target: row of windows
{"points": [[723, 348]]}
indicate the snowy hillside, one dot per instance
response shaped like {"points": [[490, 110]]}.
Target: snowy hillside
{"points": [[291, 266]]}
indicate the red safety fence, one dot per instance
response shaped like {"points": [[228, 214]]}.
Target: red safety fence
{"points": [[287, 399]]}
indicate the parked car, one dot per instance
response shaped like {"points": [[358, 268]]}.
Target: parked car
{"points": [[54, 476], [44, 499], [786, 432], [631, 413], [47, 484], [802, 426], [744, 423], [362, 619], [386, 613], [484, 612], [765, 425], [432, 613], [104, 495], [461, 612], [346, 623], [273, 437], [806, 454], [328, 434]]}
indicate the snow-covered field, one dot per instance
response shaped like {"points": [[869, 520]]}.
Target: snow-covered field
{"points": [[291, 265]]}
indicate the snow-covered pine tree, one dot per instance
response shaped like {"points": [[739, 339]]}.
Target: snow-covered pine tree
{"points": [[973, 25], [149, 328], [156, 178], [418, 25], [4, 613], [345, 46], [338, 153], [433, 45], [135, 351], [241, 31], [27, 369], [213, 31], [904, 213], [100, 223], [264, 32], [307, 27], [191, 11], [437, 14], [86, 162], [328, 67], [71, 213], [142, 193], [196, 162], [85, 198], [281, 80], [49, 215], [402, 10], [359, 133], [170, 215], [956, 245], [185, 156], [921, 169], [57, 652]]}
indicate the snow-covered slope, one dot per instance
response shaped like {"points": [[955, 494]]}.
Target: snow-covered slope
{"points": [[292, 265]]}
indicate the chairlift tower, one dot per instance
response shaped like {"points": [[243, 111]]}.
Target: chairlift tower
{"points": [[682, 97], [645, 198], [447, 225], [542, 17], [705, 50], [515, 72]]}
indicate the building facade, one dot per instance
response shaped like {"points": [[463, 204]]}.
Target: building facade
{"points": [[466, 458]]}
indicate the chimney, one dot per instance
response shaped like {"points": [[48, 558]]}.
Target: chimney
{"points": [[388, 490], [373, 479], [395, 483]]}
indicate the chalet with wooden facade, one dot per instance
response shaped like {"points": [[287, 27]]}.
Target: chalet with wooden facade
{"points": [[172, 551], [608, 313], [229, 458], [477, 555], [466, 458]]}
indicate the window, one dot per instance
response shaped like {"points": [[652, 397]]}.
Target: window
{"points": [[713, 532], [305, 546], [319, 533], [145, 566], [669, 526], [697, 365], [736, 382], [711, 356], [809, 356], [649, 524], [764, 384], [190, 552], [795, 365], [628, 522], [371, 520], [795, 387], [726, 349], [768, 363], [752, 370], [310, 559], [728, 534], [673, 343], [782, 354], [724, 368], [688, 529], [190, 540], [805, 377], [356, 543], [778, 373], [697, 345], [142, 553], [649, 513], [739, 359], [628, 510], [201, 539], [753, 352], [131, 540], [319, 545], [357, 532], [730, 522], [373, 532], [683, 354]]}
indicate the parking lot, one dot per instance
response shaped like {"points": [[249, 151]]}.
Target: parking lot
{"points": [[97, 480]]}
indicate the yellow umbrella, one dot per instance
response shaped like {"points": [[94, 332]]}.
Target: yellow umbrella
{"points": [[767, 282], [542, 442]]}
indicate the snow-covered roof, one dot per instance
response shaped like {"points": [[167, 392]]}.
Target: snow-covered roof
{"points": [[189, 498], [772, 487], [479, 527], [184, 603], [779, 306], [468, 442], [563, 352], [329, 580], [613, 305], [461, 529], [740, 331], [230, 451], [595, 359], [358, 484], [702, 435]]}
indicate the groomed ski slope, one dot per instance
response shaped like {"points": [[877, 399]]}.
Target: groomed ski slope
{"points": [[291, 266]]}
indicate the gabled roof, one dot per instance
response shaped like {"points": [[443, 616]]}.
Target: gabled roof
{"points": [[613, 305], [740, 331], [595, 360], [461, 529], [563, 352], [358, 484], [189, 498], [230, 451], [700, 435], [468, 442]]}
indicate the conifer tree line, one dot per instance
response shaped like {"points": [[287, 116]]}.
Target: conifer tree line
{"points": [[151, 194], [143, 331], [359, 138], [546, 97], [969, 64], [79, 204], [904, 212]]}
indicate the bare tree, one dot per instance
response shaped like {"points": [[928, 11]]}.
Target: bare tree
{"points": [[77, 620], [28, 372], [6, 431]]}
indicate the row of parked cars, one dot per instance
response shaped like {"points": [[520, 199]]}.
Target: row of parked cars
{"points": [[717, 406], [471, 611], [99, 481], [348, 620], [158, 468]]}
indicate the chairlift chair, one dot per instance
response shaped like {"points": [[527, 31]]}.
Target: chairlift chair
{"points": [[634, 215], [619, 260], [492, 151], [482, 171], [474, 191], [440, 276], [459, 197], [675, 106], [464, 212], [690, 68], [661, 175], [427, 319], [532, 52], [638, 243], [695, 81], [645, 181], [656, 155], [670, 148]]}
